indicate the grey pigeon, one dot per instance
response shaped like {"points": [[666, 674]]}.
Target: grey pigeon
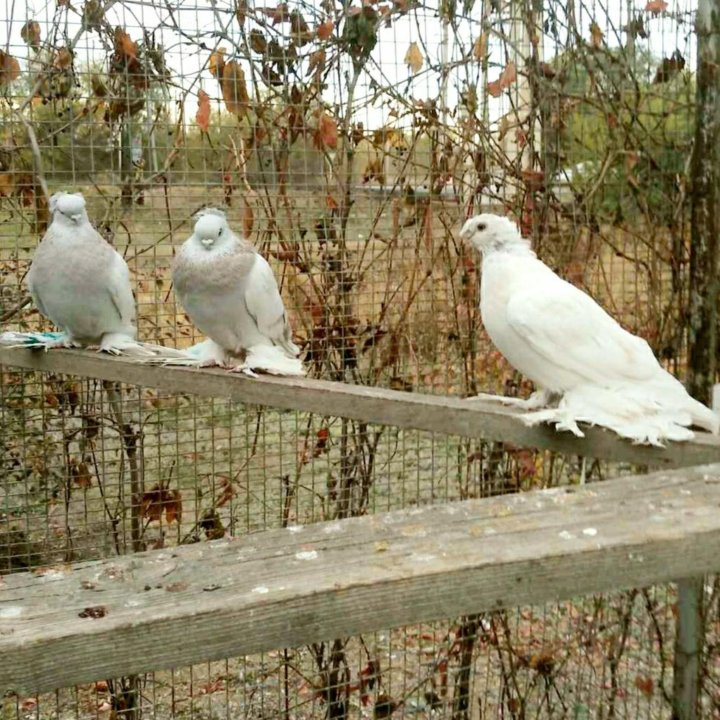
{"points": [[229, 292], [587, 367], [81, 283]]}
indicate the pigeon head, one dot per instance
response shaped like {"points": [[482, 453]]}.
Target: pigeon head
{"points": [[211, 229], [68, 208], [490, 233]]}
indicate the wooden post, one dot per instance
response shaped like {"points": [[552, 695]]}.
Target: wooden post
{"points": [[703, 347], [705, 207], [688, 649]]}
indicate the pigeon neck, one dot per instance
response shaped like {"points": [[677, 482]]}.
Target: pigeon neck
{"points": [[516, 246]]}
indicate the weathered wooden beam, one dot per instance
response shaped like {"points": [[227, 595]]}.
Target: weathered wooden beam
{"points": [[447, 415], [285, 588]]}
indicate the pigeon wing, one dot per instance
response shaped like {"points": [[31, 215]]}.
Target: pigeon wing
{"points": [[120, 289], [568, 329], [35, 293], [264, 303]]}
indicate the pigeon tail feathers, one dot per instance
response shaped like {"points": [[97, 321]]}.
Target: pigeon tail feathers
{"points": [[632, 413]]}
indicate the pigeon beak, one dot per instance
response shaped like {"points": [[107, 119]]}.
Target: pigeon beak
{"points": [[76, 218], [207, 242]]}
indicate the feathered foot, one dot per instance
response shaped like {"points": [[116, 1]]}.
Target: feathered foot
{"points": [[272, 360], [562, 420], [203, 354], [538, 399], [120, 344], [37, 340]]}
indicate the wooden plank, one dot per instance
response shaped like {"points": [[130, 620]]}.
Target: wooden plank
{"points": [[446, 415], [289, 587]]}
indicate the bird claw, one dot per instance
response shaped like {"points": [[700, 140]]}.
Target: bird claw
{"points": [[552, 416], [538, 399], [244, 369]]}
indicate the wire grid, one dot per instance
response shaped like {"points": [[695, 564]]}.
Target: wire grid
{"points": [[348, 145]]}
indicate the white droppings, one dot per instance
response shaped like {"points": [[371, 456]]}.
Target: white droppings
{"points": [[52, 575], [539, 504], [295, 528], [335, 527], [261, 590], [422, 557], [565, 535], [490, 531], [685, 491], [306, 555], [11, 612], [133, 603], [590, 532]]}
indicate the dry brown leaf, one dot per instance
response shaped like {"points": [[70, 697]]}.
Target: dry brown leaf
{"points": [[316, 61], [298, 26], [507, 78], [277, 14], [9, 68], [82, 476], [125, 47], [173, 506], [645, 685], [30, 33], [7, 184], [63, 59], [656, 6], [324, 30], [414, 58], [248, 219], [596, 35], [216, 63], [480, 47], [98, 86], [326, 135], [258, 42], [241, 11], [203, 113], [234, 89]]}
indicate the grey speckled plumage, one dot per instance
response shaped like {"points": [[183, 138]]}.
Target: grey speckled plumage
{"points": [[80, 282], [230, 293]]}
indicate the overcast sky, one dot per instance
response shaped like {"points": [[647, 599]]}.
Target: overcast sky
{"points": [[667, 32]]}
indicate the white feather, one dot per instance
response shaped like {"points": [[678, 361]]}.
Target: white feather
{"points": [[560, 338]]}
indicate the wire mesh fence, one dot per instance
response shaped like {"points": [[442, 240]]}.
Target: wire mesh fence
{"points": [[347, 141]]}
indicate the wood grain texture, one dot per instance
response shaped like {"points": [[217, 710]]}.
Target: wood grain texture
{"points": [[446, 415], [290, 587]]}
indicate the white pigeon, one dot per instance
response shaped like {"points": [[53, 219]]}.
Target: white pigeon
{"points": [[81, 284], [229, 291], [586, 366]]}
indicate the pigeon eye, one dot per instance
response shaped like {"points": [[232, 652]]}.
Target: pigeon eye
{"points": [[219, 232], [482, 226]]}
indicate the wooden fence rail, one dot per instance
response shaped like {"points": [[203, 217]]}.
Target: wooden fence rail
{"points": [[446, 415], [284, 588]]}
